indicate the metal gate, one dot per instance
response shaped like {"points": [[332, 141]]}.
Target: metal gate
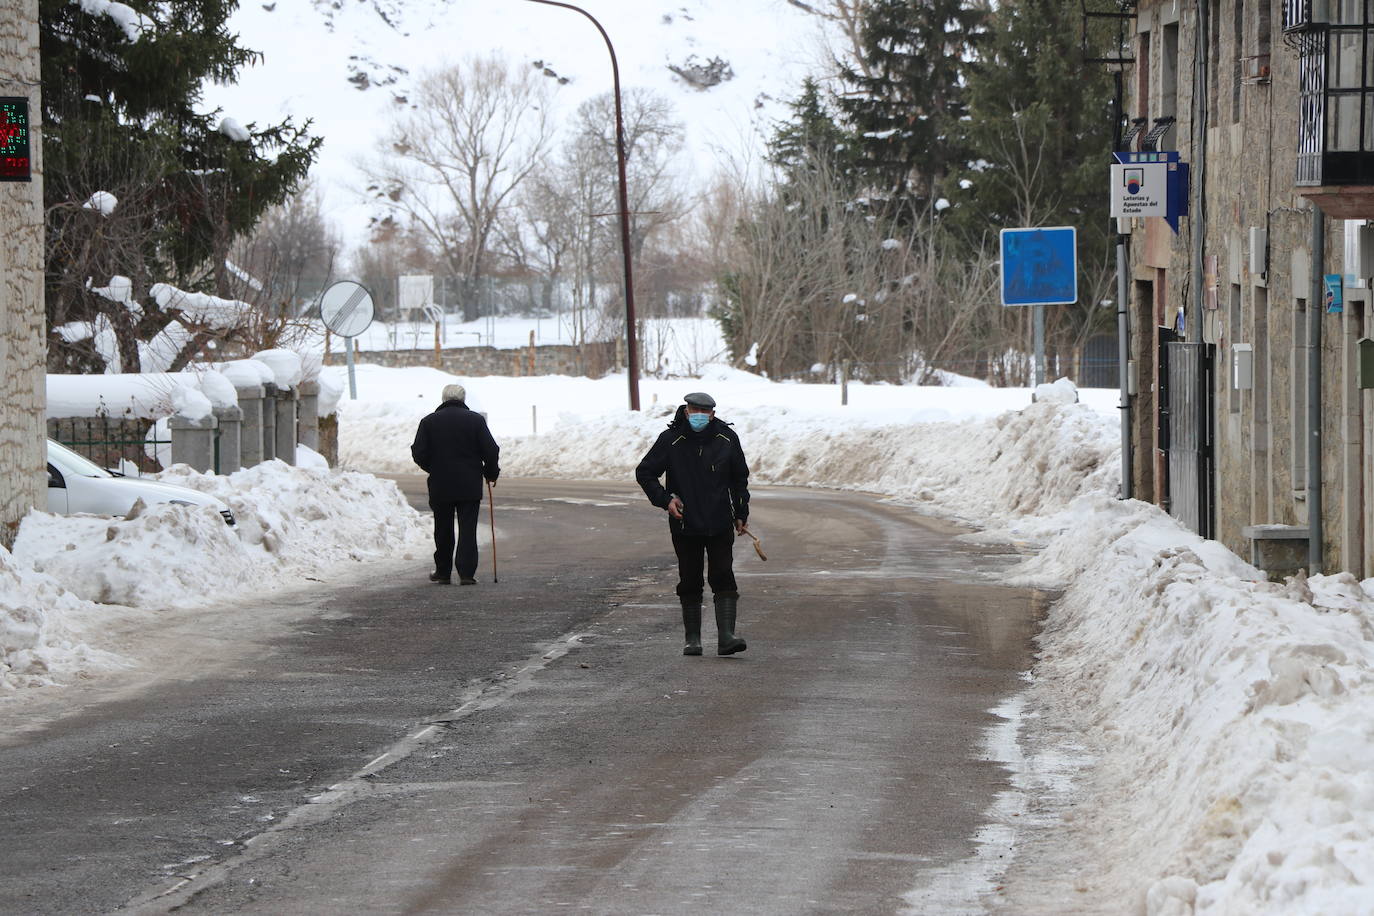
{"points": [[1188, 444]]}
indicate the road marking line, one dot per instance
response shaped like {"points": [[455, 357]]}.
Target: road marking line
{"points": [[320, 808]]}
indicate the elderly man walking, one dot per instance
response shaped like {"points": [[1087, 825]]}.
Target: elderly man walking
{"points": [[454, 446], [707, 499]]}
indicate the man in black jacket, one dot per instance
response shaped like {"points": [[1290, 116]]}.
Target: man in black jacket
{"points": [[707, 498], [454, 446]]}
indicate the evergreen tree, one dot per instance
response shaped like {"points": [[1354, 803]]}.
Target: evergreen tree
{"points": [[1040, 128], [121, 93], [906, 98], [810, 140]]}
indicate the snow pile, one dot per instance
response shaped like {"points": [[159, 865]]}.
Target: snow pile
{"points": [[134, 23], [376, 430], [287, 368], [234, 130], [1230, 716], [292, 523], [37, 644], [103, 202], [1028, 462], [200, 308], [147, 395]]}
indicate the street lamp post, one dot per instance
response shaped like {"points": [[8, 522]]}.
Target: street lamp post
{"points": [[631, 347]]}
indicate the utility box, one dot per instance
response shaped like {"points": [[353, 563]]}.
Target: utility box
{"points": [[1242, 366], [1365, 374]]}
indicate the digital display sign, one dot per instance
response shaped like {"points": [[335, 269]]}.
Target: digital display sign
{"points": [[15, 164]]}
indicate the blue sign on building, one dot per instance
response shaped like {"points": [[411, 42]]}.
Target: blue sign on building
{"points": [[1040, 266]]}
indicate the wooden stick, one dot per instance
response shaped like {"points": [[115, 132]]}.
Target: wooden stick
{"points": [[758, 545], [491, 513]]}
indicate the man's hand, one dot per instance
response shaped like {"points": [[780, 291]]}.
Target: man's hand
{"points": [[740, 527], [675, 507]]}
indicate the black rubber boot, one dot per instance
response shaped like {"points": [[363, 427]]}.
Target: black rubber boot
{"points": [[691, 623], [727, 643]]}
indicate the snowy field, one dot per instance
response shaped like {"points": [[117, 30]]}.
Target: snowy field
{"points": [[1205, 733]]}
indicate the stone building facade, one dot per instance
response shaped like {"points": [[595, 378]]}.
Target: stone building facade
{"points": [[1268, 107], [23, 351]]}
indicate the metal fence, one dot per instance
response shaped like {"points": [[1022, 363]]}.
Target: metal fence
{"points": [[111, 442]]}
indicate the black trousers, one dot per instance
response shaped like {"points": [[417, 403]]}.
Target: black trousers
{"points": [[467, 511], [713, 554]]}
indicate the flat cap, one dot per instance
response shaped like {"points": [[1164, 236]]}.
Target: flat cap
{"points": [[700, 399]]}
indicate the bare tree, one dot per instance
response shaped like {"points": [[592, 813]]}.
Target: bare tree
{"points": [[290, 257], [451, 166], [817, 282]]}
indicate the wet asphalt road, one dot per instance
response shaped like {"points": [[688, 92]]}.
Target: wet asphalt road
{"points": [[541, 744]]}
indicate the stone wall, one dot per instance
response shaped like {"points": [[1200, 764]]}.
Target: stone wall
{"points": [[592, 360]]}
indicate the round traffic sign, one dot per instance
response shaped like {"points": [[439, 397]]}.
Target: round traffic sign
{"points": [[346, 308]]}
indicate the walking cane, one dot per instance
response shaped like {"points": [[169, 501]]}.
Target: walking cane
{"points": [[491, 513]]}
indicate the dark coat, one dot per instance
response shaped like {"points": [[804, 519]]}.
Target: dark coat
{"points": [[454, 446], [706, 470]]}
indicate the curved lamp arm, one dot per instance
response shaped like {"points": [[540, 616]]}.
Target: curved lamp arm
{"points": [[631, 346]]}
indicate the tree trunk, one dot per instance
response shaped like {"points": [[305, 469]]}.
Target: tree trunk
{"points": [[23, 349]]}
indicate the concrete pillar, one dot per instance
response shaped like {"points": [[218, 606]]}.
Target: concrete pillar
{"points": [[269, 421], [286, 426], [250, 434], [230, 438], [308, 415], [193, 441]]}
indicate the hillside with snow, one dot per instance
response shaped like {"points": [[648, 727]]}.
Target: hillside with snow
{"points": [[350, 65]]}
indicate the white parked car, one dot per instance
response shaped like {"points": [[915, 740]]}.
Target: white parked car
{"points": [[76, 484]]}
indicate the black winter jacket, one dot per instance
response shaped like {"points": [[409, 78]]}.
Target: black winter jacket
{"points": [[454, 446], [706, 470]]}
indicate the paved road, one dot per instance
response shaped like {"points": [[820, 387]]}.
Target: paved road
{"points": [[541, 744]]}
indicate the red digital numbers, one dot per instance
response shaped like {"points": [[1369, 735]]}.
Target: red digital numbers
{"points": [[14, 139]]}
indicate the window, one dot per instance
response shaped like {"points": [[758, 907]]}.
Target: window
{"points": [[1168, 80], [1143, 77], [1336, 121]]}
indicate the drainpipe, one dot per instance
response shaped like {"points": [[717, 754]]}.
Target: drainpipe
{"points": [[1316, 305], [1198, 220], [1123, 334]]}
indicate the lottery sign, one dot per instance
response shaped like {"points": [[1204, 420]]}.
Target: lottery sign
{"points": [[15, 164]]}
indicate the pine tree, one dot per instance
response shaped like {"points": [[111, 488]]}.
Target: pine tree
{"points": [[121, 99], [905, 100], [1040, 128], [810, 139]]}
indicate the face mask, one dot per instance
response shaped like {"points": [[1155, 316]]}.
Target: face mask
{"points": [[698, 420]]}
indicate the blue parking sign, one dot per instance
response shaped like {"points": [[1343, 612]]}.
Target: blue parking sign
{"points": [[1040, 266]]}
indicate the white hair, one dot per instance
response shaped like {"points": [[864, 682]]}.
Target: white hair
{"points": [[455, 393]]}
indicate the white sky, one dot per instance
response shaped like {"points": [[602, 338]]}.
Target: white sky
{"points": [[770, 45]]}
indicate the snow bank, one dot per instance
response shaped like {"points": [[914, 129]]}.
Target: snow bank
{"points": [[293, 524], [1027, 462], [38, 646], [1229, 715]]}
